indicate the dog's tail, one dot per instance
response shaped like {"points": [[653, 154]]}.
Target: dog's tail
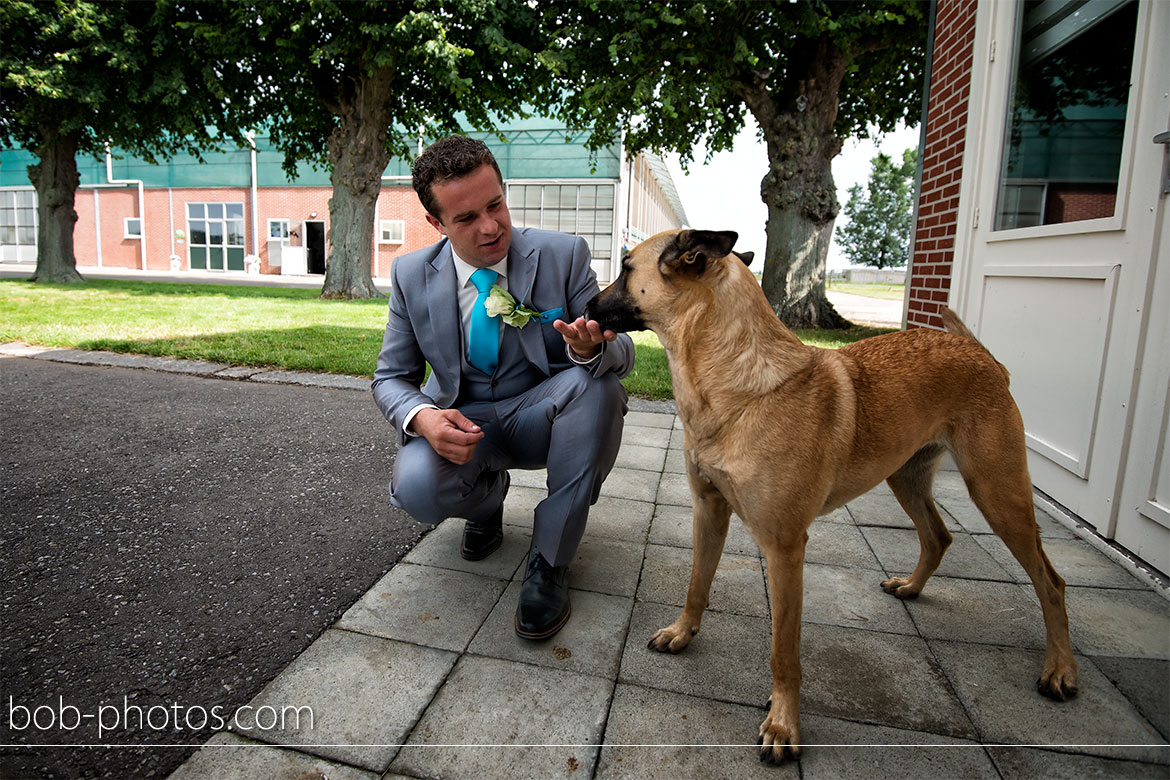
{"points": [[953, 324]]}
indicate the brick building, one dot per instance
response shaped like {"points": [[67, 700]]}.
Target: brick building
{"points": [[239, 209], [1041, 221]]}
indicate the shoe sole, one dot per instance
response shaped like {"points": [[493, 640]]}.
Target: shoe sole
{"points": [[547, 633]]}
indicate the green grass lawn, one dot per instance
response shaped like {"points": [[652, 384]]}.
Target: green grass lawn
{"points": [[886, 292], [274, 327]]}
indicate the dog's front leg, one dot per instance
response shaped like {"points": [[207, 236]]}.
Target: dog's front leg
{"points": [[780, 731], [712, 513]]}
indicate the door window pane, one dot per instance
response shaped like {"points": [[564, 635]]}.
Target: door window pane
{"points": [[215, 211], [1066, 117], [198, 232], [215, 233]]}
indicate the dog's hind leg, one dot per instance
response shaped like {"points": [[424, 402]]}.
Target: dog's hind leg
{"points": [[911, 485], [999, 485], [712, 514]]}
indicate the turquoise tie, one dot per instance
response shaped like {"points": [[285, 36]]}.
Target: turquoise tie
{"points": [[483, 343]]}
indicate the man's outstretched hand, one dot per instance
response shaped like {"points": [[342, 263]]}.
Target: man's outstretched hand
{"points": [[450, 434], [584, 337]]}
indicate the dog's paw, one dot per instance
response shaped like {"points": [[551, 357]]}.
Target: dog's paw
{"points": [[900, 587], [1056, 683], [672, 639], [777, 742]]}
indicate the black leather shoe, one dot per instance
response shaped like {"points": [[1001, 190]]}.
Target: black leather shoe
{"points": [[543, 607], [481, 538]]}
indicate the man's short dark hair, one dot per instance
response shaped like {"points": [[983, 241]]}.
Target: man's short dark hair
{"points": [[446, 159]]}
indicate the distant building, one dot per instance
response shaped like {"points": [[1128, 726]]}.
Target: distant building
{"points": [[239, 204]]}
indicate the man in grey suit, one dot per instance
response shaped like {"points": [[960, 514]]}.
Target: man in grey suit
{"points": [[543, 391]]}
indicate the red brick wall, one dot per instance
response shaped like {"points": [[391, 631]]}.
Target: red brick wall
{"points": [[165, 215], [933, 252]]}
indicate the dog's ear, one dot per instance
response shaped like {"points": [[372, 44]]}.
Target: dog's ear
{"points": [[691, 249], [746, 257]]}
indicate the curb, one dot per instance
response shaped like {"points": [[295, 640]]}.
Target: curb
{"points": [[224, 371]]}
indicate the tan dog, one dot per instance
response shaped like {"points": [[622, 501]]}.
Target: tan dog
{"points": [[780, 432]]}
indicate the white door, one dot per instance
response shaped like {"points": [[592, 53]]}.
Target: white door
{"points": [[1057, 248]]}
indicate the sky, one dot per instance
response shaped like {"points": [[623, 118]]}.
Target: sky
{"points": [[724, 194]]}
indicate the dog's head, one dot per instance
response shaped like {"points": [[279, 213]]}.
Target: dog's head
{"points": [[664, 272]]}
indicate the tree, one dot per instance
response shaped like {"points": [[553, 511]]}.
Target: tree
{"points": [[878, 230], [79, 75], [347, 85], [672, 73]]}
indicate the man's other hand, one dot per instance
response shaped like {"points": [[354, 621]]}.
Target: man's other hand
{"points": [[450, 434]]}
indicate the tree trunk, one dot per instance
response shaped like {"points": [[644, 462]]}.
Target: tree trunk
{"points": [[797, 123], [358, 158], [55, 179]]}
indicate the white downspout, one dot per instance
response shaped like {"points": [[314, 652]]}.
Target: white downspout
{"points": [[255, 200], [97, 226], [141, 200]]}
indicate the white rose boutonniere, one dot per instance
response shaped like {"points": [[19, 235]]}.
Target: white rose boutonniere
{"points": [[500, 303]]}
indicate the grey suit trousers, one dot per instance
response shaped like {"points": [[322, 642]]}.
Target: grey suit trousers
{"points": [[570, 422]]}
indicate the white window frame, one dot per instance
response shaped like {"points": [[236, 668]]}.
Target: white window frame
{"points": [[284, 227], [126, 233], [389, 225]]}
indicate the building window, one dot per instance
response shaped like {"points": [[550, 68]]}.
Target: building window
{"points": [[1067, 113], [131, 227], [278, 229], [585, 210], [392, 231], [18, 225], [216, 233]]}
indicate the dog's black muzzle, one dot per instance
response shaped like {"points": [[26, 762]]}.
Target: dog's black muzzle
{"points": [[615, 310]]}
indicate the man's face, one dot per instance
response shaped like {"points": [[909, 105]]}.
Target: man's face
{"points": [[474, 216]]}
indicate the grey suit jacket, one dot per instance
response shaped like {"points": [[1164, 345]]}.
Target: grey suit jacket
{"points": [[546, 270]]}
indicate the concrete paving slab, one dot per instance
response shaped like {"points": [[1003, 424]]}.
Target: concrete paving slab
{"points": [[1032, 764], [879, 508], [840, 748], [364, 693], [590, 643], [441, 548], [636, 419], [425, 605], [677, 437], [738, 586], [634, 484], [851, 598], [950, 493], [613, 518], [1130, 623], [1075, 560], [840, 516], [998, 613], [529, 478], [998, 687], [620, 518], [675, 490], [500, 719], [887, 679], [703, 668], [646, 436], [839, 544], [636, 456], [898, 549], [227, 755], [605, 566], [673, 526], [676, 462], [1145, 682], [653, 733]]}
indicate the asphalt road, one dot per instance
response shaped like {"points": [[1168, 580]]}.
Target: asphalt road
{"points": [[171, 542]]}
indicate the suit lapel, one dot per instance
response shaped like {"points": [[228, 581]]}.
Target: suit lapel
{"points": [[523, 260], [443, 303]]}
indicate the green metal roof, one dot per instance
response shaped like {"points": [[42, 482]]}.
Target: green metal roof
{"points": [[533, 149]]}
